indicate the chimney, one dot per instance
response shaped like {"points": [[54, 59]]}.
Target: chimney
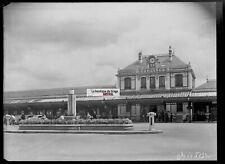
{"points": [[170, 53], [140, 57]]}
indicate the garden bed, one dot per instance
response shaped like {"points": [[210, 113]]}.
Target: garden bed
{"points": [[76, 127], [79, 124]]}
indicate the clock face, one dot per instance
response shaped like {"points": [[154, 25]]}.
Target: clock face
{"points": [[152, 60]]}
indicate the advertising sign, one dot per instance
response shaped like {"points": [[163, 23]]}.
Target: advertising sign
{"points": [[103, 92]]}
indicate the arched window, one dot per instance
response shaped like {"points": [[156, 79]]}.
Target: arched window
{"points": [[127, 83], [143, 82], [161, 81], [178, 80], [152, 82]]}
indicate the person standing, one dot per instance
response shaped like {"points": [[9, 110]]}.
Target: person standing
{"points": [[171, 117], [94, 114], [166, 117], [22, 116], [89, 116], [12, 120]]}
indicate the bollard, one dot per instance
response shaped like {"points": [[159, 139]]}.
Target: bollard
{"points": [[151, 120]]}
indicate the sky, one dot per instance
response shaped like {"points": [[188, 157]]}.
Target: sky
{"points": [[57, 45]]}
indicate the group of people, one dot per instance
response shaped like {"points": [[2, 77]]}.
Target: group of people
{"points": [[9, 119], [166, 117], [160, 117], [89, 116]]}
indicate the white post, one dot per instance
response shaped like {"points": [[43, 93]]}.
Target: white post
{"points": [[7, 119], [151, 120]]}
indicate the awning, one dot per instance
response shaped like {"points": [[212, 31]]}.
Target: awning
{"points": [[159, 96]]}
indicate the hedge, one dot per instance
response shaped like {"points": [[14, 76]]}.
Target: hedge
{"points": [[76, 121]]}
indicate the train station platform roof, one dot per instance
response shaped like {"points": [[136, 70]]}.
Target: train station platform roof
{"points": [[158, 97]]}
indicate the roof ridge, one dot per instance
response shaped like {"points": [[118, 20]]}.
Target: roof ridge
{"points": [[63, 88], [158, 55]]}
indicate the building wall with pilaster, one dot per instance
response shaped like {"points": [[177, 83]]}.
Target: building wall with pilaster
{"points": [[190, 80]]}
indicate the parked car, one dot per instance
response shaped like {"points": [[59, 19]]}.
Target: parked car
{"points": [[28, 117], [36, 117]]}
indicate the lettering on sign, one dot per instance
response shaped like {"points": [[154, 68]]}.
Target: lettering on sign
{"points": [[103, 92], [153, 70]]}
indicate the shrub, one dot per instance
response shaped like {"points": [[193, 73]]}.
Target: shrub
{"points": [[76, 121]]}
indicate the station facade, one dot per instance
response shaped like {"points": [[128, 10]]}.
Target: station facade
{"points": [[160, 83], [151, 74]]}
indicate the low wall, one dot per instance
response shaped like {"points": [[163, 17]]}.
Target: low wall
{"points": [[76, 127]]}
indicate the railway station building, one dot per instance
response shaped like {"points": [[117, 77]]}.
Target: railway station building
{"points": [[160, 83]]}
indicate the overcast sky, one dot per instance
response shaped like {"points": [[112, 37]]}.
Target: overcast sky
{"points": [[53, 45]]}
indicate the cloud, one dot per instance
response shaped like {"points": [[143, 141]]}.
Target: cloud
{"points": [[63, 45]]}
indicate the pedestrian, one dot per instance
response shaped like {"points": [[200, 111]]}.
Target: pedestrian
{"points": [[94, 115], [159, 117], [166, 117], [163, 116], [22, 116], [89, 116], [171, 117], [4, 120], [12, 120]]}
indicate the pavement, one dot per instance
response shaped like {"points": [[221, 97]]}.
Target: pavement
{"points": [[179, 141]]}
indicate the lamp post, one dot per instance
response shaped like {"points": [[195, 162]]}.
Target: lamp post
{"points": [[104, 106], [128, 106], [190, 108]]}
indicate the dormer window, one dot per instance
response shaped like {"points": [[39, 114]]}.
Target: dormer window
{"points": [[127, 82], [178, 80]]}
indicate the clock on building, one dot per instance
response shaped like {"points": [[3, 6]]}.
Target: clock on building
{"points": [[152, 60]]}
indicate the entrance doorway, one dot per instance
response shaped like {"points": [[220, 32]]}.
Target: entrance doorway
{"points": [[200, 111]]}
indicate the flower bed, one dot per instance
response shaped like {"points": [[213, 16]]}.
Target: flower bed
{"points": [[76, 124], [76, 121]]}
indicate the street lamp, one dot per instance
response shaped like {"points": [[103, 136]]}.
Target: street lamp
{"points": [[128, 106], [104, 106], [190, 108]]}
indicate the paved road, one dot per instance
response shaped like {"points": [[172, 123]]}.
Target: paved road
{"points": [[184, 141]]}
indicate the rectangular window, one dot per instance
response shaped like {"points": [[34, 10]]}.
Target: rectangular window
{"points": [[143, 82], [152, 82], [162, 82], [127, 83], [179, 80], [128, 107], [179, 107]]}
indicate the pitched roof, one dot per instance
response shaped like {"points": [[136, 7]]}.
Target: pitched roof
{"points": [[163, 60], [210, 85], [79, 91]]}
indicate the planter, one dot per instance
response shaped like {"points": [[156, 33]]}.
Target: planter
{"points": [[75, 127]]}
